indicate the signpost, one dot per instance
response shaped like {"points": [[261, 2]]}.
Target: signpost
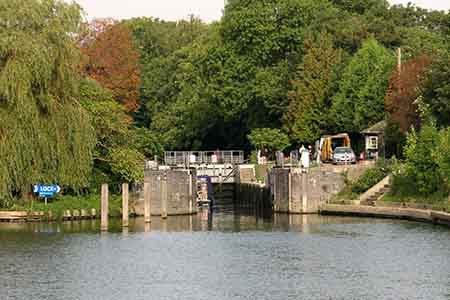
{"points": [[46, 191]]}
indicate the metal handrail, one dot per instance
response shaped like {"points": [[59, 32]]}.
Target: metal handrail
{"points": [[203, 157]]}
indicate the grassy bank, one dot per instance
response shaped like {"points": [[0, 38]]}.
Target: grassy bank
{"points": [[58, 205], [353, 189], [435, 202]]}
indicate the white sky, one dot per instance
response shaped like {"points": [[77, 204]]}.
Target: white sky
{"points": [[208, 10]]}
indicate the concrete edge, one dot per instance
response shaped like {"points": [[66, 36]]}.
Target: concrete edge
{"points": [[366, 195], [411, 214]]}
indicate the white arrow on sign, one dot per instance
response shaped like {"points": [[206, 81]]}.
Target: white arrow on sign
{"points": [[58, 189], [35, 188]]}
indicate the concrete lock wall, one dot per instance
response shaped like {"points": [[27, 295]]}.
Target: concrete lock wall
{"points": [[296, 192], [279, 185], [180, 187]]}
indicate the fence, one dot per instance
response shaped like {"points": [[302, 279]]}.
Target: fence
{"points": [[186, 158]]}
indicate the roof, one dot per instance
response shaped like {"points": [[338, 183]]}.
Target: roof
{"points": [[339, 135], [377, 128]]}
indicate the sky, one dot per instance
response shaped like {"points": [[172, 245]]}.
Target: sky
{"points": [[171, 10]]}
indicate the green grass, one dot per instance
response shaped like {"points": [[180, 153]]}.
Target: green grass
{"points": [[58, 205], [435, 202]]}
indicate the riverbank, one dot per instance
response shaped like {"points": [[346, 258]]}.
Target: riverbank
{"points": [[391, 212], [61, 208]]}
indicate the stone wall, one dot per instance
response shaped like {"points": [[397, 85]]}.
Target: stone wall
{"points": [[181, 192], [296, 192], [279, 186]]}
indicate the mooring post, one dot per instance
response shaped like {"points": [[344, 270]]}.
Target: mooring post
{"points": [[104, 208], [190, 194], [147, 190], [290, 192], [125, 214], [164, 197]]}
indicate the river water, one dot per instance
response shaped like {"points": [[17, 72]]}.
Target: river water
{"points": [[231, 255]]}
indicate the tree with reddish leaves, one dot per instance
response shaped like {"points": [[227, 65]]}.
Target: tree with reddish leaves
{"points": [[111, 60], [403, 92]]}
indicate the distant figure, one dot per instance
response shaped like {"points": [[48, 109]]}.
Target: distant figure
{"points": [[214, 158], [263, 156], [310, 150], [192, 159], [304, 158]]}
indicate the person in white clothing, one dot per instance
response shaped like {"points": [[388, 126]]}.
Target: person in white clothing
{"points": [[304, 158]]}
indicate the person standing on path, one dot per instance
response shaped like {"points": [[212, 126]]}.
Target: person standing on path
{"points": [[304, 159]]}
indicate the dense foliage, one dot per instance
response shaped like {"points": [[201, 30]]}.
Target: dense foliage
{"points": [[111, 59], [309, 101], [118, 155], [307, 67], [403, 92], [426, 169], [45, 135], [359, 101], [436, 90], [269, 139], [273, 74], [371, 177]]}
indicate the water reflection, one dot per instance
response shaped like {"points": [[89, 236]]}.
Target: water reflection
{"points": [[223, 219], [230, 253]]}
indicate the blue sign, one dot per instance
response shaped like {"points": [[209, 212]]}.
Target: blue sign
{"points": [[46, 191]]}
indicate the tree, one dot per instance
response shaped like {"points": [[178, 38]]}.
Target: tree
{"points": [[421, 165], [306, 117], [157, 41], [442, 154], [403, 92], [269, 139], [361, 6], [45, 136], [111, 60], [120, 149], [436, 90], [360, 99], [268, 31]]}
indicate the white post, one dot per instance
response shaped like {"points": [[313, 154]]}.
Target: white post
{"points": [[125, 215], [104, 208], [147, 212]]}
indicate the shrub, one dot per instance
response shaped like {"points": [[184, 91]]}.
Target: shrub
{"points": [[371, 177], [421, 164], [442, 154]]}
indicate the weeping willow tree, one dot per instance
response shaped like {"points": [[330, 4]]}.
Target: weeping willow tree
{"points": [[45, 135]]}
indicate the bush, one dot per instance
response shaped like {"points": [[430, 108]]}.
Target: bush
{"points": [[421, 164], [442, 154], [371, 177], [426, 171]]}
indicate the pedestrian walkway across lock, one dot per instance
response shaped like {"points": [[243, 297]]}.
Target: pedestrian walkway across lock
{"points": [[221, 166], [197, 158]]}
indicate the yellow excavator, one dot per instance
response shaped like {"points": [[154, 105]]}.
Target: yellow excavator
{"points": [[329, 142]]}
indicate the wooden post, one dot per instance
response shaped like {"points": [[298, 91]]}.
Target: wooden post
{"points": [[164, 197], [147, 213], [399, 60], [290, 192], [190, 194], [104, 208], [274, 191], [125, 214]]}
